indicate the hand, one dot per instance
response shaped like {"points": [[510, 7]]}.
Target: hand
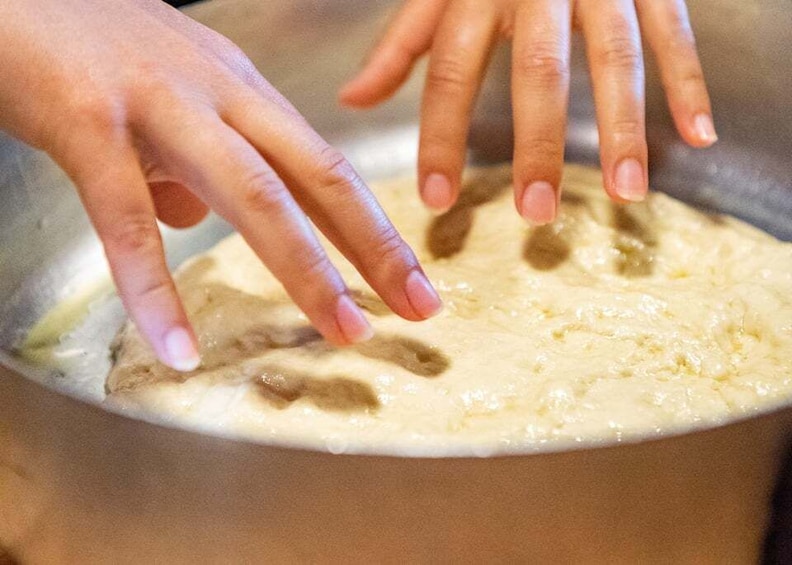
{"points": [[459, 34], [152, 114]]}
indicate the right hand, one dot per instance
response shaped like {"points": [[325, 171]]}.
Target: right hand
{"points": [[154, 115], [459, 36]]}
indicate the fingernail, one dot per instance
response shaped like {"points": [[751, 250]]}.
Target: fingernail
{"points": [[538, 204], [422, 296], [351, 320], [630, 181], [181, 351], [436, 193], [705, 129]]}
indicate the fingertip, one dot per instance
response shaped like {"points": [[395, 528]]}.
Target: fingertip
{"points": [[374, 83], [351, 321], [697, 130], [437, 193], [629, 181], [350, 94], [422, 296], [181, 350], [539, 203], [704, 130]]}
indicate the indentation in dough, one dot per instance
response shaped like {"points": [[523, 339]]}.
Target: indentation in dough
{"points": [[258, 340], [370, 302], [135, 376], [233, 326], [635, 243], [448, 233], [411, 354], [196, 267], [545, 249], [570, 200], [281, 388]]}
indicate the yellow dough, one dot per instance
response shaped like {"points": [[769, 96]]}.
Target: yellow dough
{"points": [[612, 323]]}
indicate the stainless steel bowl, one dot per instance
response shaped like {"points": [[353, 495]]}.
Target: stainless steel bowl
{"points": [[79, 484]]}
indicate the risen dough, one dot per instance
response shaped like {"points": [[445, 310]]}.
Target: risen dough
{"points": [[613, 322]]}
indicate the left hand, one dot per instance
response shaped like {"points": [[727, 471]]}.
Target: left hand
{"points": [[153, 115], [460, 35]]}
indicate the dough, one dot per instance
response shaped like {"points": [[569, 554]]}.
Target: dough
{"points": [[614, 322]]}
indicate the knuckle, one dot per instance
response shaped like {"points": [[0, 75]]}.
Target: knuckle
{"points": [[132, 237], [621, 52], [149, 89], [542, 148], [230, 50], [446, 74], [97, 112], [316, 265], [441, 146], [692, 76], [628, 134], [334, 171], [542, 62], [628, 128], [155, 286], [333, 164], [237, 60], [390, 247], [93, 114], [148, 79], [264, 194]]}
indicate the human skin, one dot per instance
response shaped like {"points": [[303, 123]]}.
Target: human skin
{"points": [[153, 115], [459, 36]]}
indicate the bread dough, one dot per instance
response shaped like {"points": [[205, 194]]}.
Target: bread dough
{"points": [[614, 322]]}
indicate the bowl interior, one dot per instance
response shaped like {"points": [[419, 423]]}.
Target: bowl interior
{"points": [[52, 264]]}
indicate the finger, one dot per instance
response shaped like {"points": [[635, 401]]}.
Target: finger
{"points": [[540, 93], [666, 26], [229, 175], [613, 45], [408, 37], [456, 67], [117, 199], [339, 203], [176, 205]]}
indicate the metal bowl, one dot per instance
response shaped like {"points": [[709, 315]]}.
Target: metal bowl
{"points": [[82, 484]]}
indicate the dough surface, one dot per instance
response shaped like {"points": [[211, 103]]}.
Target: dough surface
{"points": [[614, 322]]}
